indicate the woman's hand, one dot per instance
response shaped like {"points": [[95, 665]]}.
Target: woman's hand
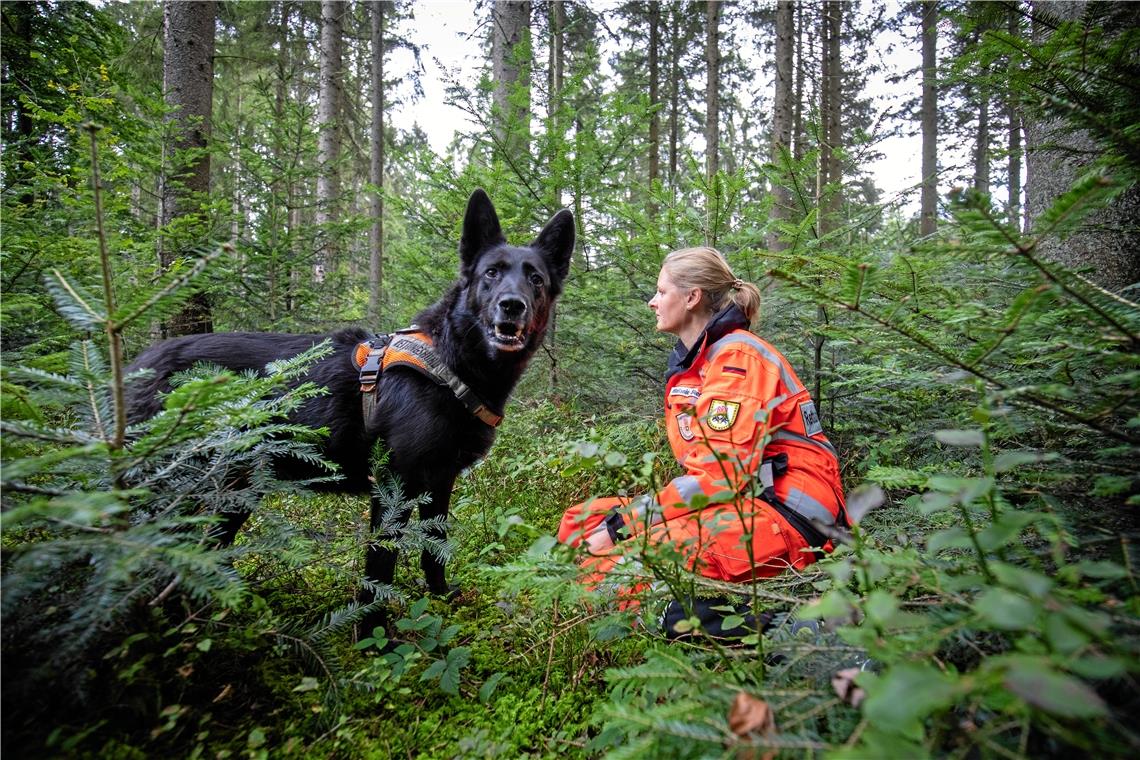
{"points": [[599, 541]]}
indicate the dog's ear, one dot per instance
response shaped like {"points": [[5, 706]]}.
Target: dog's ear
{"points": [[481, 228], [556, 241]]}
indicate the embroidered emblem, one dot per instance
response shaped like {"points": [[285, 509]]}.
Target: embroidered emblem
{"points": [[685, 426], [735, 370], [810, 417], [687, 391], [722, 414]]}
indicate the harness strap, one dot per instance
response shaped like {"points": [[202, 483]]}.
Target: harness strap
{"points": [[411, 348]]}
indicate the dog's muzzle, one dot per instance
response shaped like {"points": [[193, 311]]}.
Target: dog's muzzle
{"points": [[508, 333]]}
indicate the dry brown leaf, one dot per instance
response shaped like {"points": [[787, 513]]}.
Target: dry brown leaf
{"points": [[844, 684], [749, 715]]}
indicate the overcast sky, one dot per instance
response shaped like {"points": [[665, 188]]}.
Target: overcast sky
{"points": [[446, 30]]}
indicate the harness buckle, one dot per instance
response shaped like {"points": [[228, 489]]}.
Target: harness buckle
{"points": [[373, 362]]}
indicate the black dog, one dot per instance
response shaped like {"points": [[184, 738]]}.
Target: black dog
{"points": [[434, 421]]}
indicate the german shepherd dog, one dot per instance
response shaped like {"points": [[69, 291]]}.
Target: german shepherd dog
{"points": [[485, 329]]}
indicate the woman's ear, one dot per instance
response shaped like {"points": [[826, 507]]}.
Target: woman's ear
{"points": [[693, 300]]}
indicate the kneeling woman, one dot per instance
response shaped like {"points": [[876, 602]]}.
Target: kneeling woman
{"points": [[757, 465]]}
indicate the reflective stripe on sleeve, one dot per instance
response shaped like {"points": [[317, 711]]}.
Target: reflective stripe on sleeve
{"points": [[806, 505], [787, 435], [687, 487]]}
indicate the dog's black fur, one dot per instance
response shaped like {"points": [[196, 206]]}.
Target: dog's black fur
{"points": [[485, 328]]}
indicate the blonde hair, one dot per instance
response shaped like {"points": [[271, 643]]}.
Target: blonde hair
{"points": [[707, 269]]}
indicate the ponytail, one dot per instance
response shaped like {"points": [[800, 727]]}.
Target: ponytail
{"points": [[706, 268]]}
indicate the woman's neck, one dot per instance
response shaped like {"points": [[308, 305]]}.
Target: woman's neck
{"points": [[691, 331]]}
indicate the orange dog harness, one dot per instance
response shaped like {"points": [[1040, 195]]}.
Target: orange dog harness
{"points": [[411, 347]]}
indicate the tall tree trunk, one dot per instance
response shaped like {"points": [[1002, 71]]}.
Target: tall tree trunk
{"points": [[799, 135], [376, 166], [982, 144], [654, 94], [1013, 119], [712, 89], [675, 90], [827, 176], [929, 118], [557, 54], [557, 11], [328, 137], [835, 101], [188, 88], [782, 116], [510, 44]]}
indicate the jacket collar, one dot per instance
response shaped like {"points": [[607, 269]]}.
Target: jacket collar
{"points": [[725, 321]]}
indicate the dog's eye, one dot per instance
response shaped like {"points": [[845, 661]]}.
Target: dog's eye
{"points": [[536, 280], [491, 273]]}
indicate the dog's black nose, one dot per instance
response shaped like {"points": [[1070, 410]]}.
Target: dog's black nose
{"points": [[512, 308]]}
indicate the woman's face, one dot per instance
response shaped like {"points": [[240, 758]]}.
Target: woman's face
{"points": [[671, 303]]}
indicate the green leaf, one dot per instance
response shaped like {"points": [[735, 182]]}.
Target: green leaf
{"points": [[901, 698], [615, 459], [951, 538], [1029, 582], [833, 604], [1063, 636], [435, 670], [1006, 610], [1007, 528], [732, 621], [1101, 569], [488, 687], [308, 683], [1054, 692], [974, 438], [1008, 460]]}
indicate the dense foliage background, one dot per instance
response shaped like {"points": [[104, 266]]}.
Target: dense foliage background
{"points": [[973, 348]]}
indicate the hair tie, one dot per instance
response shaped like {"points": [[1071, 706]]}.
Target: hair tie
{"points": [[737, 284]]}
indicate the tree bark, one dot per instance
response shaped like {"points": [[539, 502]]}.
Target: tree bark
{"points": [[929, 118], [798, 133], [654, 94], [835, 99], [782, 116], [188, 89], [828, 178], [1013, 119], [712, 88], [510, 39], [328, 136], [376, 166], [675, 90], [557, 54], [982, 144]]}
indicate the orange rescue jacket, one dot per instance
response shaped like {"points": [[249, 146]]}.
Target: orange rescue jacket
{"points": [[733, 402]]}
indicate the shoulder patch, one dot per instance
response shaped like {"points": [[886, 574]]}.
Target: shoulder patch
{"points": [[685, 391], [810, 418], [685, 426], [722, 414]]}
